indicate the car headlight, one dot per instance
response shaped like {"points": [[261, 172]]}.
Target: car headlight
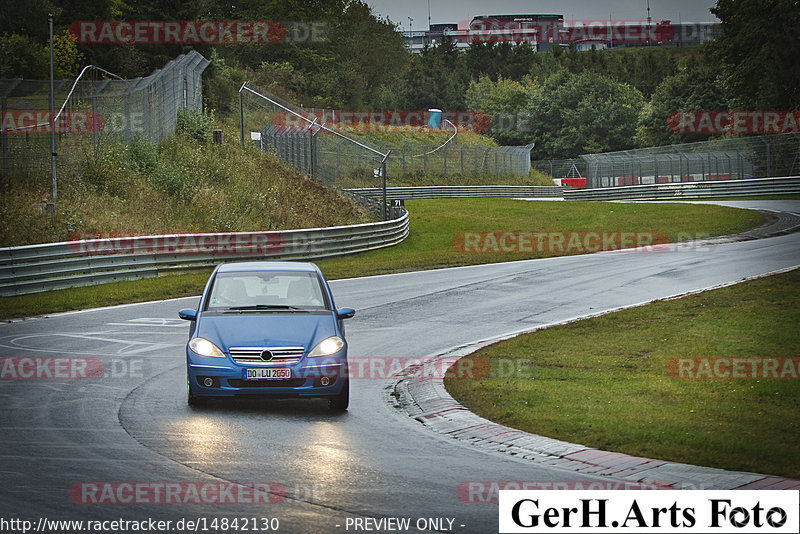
{"points": [[327, 346], [204, 347]]}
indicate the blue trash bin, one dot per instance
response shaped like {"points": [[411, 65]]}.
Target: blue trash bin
{"points": [[434, 118]]}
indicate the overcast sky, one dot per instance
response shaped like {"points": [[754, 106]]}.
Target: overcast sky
{"points": [[457, 10]]}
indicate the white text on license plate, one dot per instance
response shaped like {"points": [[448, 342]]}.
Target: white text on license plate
{"points": [[267, 374]]}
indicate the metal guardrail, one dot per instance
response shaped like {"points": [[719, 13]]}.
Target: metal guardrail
{"points": [[36, 268], [462, 191], [728, 188]]}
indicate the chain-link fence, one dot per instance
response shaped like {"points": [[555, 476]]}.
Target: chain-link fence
{"points": [[722, 159], [351, 160], [97, 110], [339, 162]]}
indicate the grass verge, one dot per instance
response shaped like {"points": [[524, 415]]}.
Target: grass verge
{"points": [[603, 382], [434, 225]]}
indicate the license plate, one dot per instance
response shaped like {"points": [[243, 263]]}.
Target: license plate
{"points": [[267, 373]]}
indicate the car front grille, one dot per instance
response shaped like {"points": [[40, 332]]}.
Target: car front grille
{"points": [[253, 355]]}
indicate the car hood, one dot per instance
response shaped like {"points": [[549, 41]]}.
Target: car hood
{"points": [[266, 329]]}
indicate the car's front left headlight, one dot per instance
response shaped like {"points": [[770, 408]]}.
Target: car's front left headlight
{"points": [[327, 346], [204, 347]]}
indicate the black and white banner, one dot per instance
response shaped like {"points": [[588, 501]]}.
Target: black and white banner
{"points": [[603, 511]]}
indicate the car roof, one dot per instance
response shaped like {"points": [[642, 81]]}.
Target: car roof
{"points": [[249, 266]]}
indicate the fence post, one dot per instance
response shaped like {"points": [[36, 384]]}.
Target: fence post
{"points": [[655, 170], [241, 118], [338, 157], [383, 179], [313, 142], [52, 122]]}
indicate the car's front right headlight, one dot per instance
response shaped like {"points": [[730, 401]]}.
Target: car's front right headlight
{"points": [[327, 346], [204, 347]]}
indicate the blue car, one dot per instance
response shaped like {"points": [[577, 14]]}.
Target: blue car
{"points": [[267, 329]]}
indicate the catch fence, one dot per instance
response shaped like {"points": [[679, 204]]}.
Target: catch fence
{"points": [[98, 109], [741, 158], [348, 159]]}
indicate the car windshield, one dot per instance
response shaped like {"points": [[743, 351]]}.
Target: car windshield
{"points": [[267, 291]]}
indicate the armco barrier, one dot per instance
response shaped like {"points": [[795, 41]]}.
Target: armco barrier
{"points": [[708, 189], [461, 191], [35, 268]]}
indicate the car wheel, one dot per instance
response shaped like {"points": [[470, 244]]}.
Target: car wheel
{"points": [[340, 402], [191, 398]]}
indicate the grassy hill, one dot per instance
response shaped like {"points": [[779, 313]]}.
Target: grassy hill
{"points": [[184, 185]]}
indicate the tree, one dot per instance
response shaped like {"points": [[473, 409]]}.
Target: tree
{"points": [[437, 78], [695, 87], [480, 59], [583, 113], [368, 52], [21, 57], [68, 60], [505, 102], [758, 49]]}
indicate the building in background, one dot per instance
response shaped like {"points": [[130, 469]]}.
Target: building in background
{"points": [[544, 31]]}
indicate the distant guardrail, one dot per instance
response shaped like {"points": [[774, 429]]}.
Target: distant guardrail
{"points": [[36, 268], [461, 191], [671, 191]]}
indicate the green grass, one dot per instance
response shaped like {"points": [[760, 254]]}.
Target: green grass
{"points": [[434, 224], [603, 382]]}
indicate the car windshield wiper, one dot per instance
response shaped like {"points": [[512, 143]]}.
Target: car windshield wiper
{"points": [[266, 307]]}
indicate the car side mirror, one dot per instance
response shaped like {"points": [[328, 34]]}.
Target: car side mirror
{"points": [[345, 313], [188, 314]]}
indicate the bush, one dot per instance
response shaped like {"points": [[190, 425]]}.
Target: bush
{"points": [[195, 124], [142, 156]]}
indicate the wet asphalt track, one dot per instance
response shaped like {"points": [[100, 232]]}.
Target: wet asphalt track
{"points": [[133, 424]]}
